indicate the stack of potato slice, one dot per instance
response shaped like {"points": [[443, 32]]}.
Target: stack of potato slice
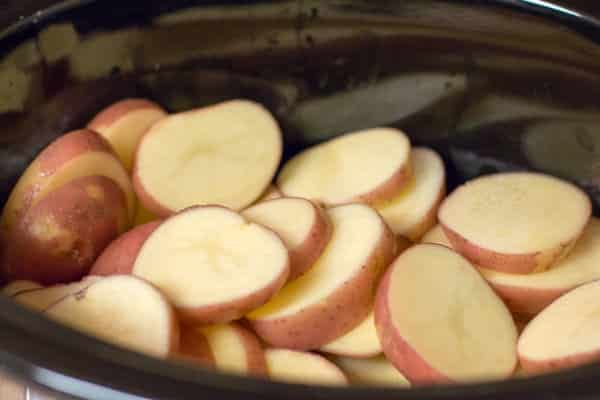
{"points": [[333, 271]]}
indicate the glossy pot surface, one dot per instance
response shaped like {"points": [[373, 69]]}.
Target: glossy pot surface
{"points": [[492, 85]]}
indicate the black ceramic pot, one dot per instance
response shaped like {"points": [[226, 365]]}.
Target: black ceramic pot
{"points": [[493, 85]]}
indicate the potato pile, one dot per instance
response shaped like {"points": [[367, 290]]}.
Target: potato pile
{"points": [[170, 234]]}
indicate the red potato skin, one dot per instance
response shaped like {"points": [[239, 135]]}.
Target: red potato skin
{"points": [[509, 263], [319, 324], [401, 354], [119, 257], [255, 355], [116, 111], [59, 238], [304, 256], [56, 155], [194, 347]]}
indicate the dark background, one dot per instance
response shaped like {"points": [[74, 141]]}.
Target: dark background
{"points": [[10, 10]]}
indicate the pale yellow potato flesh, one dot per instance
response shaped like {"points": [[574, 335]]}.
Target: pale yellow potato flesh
{"points": [[291, 218], [566, 328], [122, 310], [410, 208], [209, 255], [449, 315], [436, 235], [124, 134], [357, 230], [227, 348], [42, 298], [300, 367], [344, 168], [375, 371], [224, 154], [359, 342], [16, 287], [516, 213]]}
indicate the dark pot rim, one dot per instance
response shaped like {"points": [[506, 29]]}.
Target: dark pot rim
{"points": [[40, 350]]}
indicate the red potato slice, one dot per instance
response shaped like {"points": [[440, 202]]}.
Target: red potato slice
{"points": [[447, 337], [436, 235], [414, 210], [122, 310], [303, 226], [213, 264], [124, 123], [59, 238], [16, 287], [565, 334], [74, 155], [375, 371], [44, 297], [365, 166], [236, 350], [336, 294], [119, 257], [300, 367], [360, 342], [226, 154], [517, 222], [530, 294]]}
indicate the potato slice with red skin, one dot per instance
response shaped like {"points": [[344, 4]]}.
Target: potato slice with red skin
{"points": [[564, 335], [366, 166], [375, 371], [414, 210], [236, 349], [336, 294], [360, 342], [42, 298], [143, 216], [435, 316], [530, 294], [120, 255], [303, 226], [59, 238], [519, 222], [123, 310], [124, 123], [225, 154], [301, 367], [213, 264], [74, 155], [15, 287]]}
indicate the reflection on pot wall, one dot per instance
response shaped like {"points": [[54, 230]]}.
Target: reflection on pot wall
{"points": [[483, 95]]}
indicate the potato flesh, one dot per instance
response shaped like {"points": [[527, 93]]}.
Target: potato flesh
{"points": [[411, 206], [375, 371], [227, 347], [224, 154], [516, 213], [299, 367], [291, 218], [362, 340], [567, 327], [357, 230], [122, 310], [345, 168], [445, 310], [42, 298], [210, 255]]}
